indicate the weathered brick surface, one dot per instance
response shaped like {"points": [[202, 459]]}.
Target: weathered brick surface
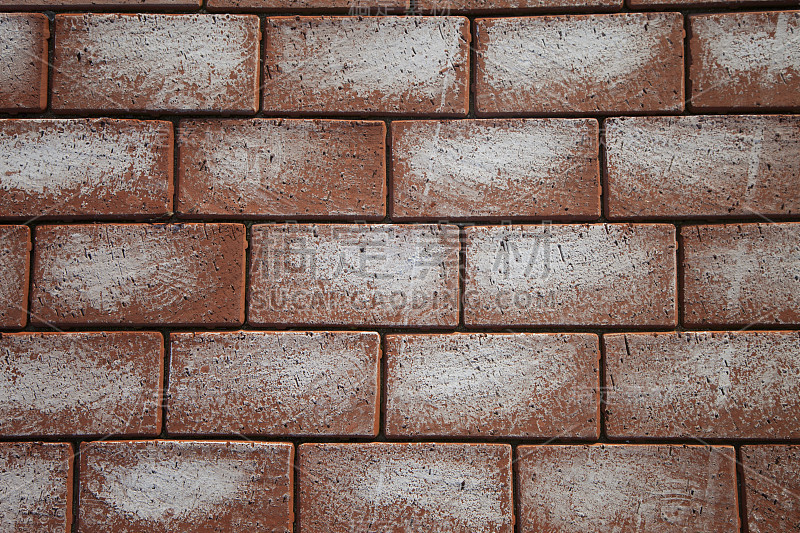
{"points": [[501, 169], [36, 492], [521, 385], [52, 168], [183, 486], [15, 248], [588, 64], [744, 61], [385, 65], [770, 475], [155, 62], [703, 166], [741, 274], [597, 274], [81, 383], [354, 7], [404, 487], [729, 4], [274, 383], [23, 46], [627, 488], [139, 274], [96, 4], [735, 385], [440, 7], [376, 275], [283, 168]]}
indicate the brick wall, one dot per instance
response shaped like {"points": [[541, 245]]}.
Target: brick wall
{"points": [[400, 265]]}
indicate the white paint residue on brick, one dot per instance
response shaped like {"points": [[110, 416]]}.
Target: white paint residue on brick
{"points": [[25, 490], [16, 45]]}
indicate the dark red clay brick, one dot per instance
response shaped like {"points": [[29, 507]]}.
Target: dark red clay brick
{"points": [[635, 489], [36, 488], [728, 4], [744, 61], [156, 63], [405, 487], [185, 486], [772, 488], [23, 46], [274, 383], [495, 169], [741, 274], [283, 168], [139, 275], [353, 7], [581, 64], [15, 250], [570, 275], [369, 275], [702, 166], [51, 168], [513, 385], [385, 65], [95, 4], [445, 7], [66, 384], [721, 385]]}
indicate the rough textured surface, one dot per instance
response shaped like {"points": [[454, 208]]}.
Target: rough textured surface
{"points": [[35, 487], [589, 64], [405, 487], [440, 7], [596, 274], [770, 475], [377, 275], [703, 166], [521, 385], [505, 168], [139, 274], [182, 486], [387, 65], [155, 62], [85, 168], [734, 385], [283, 168], [630, 489], [15, 248], [81, 383], [730, 4], [353, 7], [23, 75], [741, 274], [95, 4], [274, 383], [745, 61]]}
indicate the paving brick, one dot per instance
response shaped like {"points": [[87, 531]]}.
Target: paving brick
{"points": [[283, 168], [405, 487], [729, 4], [741, 274], [274, 383], [445, 7], [495, 169], [139, 274], [95, 4], [23, 78], [185, 486], [352, 7], [771, 483], [14, 272]]}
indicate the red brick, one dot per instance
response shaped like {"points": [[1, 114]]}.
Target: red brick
{"points": [[94, 4], [36, 492], [627, 488], [386, 65], [139, 274], [515, 385], [702, 166], [155, 62], [744, 61], [274, 383], [730, 4], [353, 7], [506, 168], [185, 486], [14, 272], [283, 168], [405, 487], [772, 486], [442, 7], [85, 168], [570, 275], [725, 385], [23, 45], [586, 64], [371, 275], [741, 274], [66, 384]]}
